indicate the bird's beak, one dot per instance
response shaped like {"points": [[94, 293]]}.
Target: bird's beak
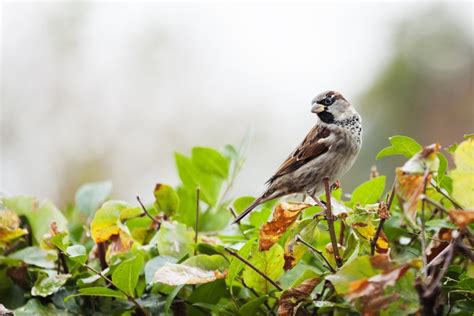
{"points": [[317, 108]]}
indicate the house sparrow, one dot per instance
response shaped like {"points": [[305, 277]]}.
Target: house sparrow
{"points": [[329, 150]]}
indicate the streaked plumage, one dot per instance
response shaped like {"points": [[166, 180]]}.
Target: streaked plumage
{"points": [[329, 149]]}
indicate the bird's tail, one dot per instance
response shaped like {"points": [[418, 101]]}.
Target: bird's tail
{"points": [[263, 198]]}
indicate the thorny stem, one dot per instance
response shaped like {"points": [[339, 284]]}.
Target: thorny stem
{"points": [[235, 254], [196, 226], [299, 239], [330, 221], [146, 212], [422, 234], [108, 280]]}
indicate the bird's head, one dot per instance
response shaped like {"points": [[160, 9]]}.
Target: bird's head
{"points": [[331, 106]]}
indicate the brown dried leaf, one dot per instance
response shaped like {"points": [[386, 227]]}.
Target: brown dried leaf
{"points": [[410, 178], [370, 291], [284, 215], [291, 298], [438, 243], [461, 218]]}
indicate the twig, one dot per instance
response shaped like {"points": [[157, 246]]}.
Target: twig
{"points": [[146, 212], [422, 233], [435, 283], [373, 242], [108, 280], [392, 194], [101, 255], [439, 190], [62, 258], [342, 232], [235, 254], [196, 225], [434, 203], [330, 221], [299, 239]]}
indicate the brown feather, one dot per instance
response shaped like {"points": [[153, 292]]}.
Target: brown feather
{"points": [[311, 147]]}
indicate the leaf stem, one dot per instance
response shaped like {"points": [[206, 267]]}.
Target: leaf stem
{"points": [[101, 255], [441, 191], [196, 225], [301, 240], [330, 220], [146, 212], [422, 233], [266, 277], [108, 280]]}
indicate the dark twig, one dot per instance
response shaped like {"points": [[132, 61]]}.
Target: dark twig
{"points": [[342, 232], [196, 226], [235, 254], [101, 255], [109, 281], [373, 242], [439, 190], [330, 220], [299, 239], [62, 258], [435, 283], [146, 212], [434, 203], [422, 233]]}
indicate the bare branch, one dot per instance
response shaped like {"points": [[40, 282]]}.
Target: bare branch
{"points": [[330, 220]]}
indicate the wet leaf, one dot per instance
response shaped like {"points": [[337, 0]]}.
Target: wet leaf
{"points": [[284, 215], [291, 298], [461, 218], [166, 199], [463, 175], [269, 262], [196, 270], [40, 214]]}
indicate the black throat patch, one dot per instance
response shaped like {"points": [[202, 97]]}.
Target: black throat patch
{"points": [[326, 117]]}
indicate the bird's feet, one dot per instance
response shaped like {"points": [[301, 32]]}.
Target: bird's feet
{"points": [[336, 185]]}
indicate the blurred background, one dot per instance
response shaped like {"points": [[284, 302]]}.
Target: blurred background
{"points": [[100, 90]]}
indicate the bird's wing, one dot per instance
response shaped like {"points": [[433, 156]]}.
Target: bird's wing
{"points": [[313, 145]]}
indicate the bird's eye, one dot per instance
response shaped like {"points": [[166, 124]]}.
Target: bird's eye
{"points": [[329, 100]]}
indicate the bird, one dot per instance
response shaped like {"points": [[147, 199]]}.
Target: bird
{"points": [[328, 150]]}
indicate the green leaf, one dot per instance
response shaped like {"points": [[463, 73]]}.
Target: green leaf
{"points": [[193, 178], [269, 262], [36, 256], [46, 285], [105, 222], [97, 291], [368, 192], [210, 161], [77, 253], [360, 268], [174, 239], [34, 307], [236, 265], [90, 196], [252, 306], [440, 223], [206, 262], [126, 275], [40, 214], [443, 166], [166, 199], [154, 264], [400, 145], [241, 203], [463, 175]]}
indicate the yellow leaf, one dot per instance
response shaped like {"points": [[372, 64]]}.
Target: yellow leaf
{"points": [[463, 175], [104, 224]]}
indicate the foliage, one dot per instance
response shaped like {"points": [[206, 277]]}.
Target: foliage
{"points": [[406, 248]]}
